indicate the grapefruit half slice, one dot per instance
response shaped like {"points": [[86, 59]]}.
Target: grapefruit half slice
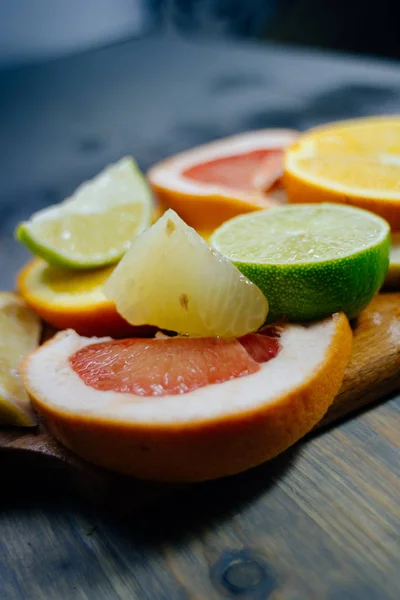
{"points": [[187, 409], [209, 184]]}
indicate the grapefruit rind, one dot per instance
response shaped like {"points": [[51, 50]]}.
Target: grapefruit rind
{"points": [[214, 431]]}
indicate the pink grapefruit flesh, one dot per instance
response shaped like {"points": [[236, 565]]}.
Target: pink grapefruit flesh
{"points": [[259, 169], [158, 367]]}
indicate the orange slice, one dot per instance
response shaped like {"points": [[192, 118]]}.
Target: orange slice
{"points": [[72, 299], [354, 162], [187, 409], [210, 184]]}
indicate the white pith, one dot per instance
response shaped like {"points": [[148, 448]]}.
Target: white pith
{"points": [[50, 378], [168, 173]]}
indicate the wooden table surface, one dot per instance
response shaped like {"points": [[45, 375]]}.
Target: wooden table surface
{"points": [[321, 522]]}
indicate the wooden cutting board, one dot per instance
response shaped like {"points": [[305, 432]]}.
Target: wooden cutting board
{"points": [[372, 374]]}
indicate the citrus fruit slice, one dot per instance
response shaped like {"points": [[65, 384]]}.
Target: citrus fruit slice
{"points": [[172, 279], [355, 162], [70, 299], [20, 331], [393, 275], [310, 260], [212, 183], [186, 409], [96, 225]]}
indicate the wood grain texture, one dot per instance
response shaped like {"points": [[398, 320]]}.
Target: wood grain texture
{"points": [[320, 522], [374, 368]]}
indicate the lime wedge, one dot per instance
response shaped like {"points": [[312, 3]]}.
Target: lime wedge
{"points": [[310, 260], [392, 280], [19, 334], [95, 226], [172, 279]]}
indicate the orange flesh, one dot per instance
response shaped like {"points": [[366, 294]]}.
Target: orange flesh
{"points": [[258, 169], [158, 367]]}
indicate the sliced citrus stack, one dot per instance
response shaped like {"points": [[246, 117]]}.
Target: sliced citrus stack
{"points": [[172, 279], [72, 299], [20, 331], [309, 260], [96, 225], [393, 275], [354, 162], [212, 183], [185, 409]]}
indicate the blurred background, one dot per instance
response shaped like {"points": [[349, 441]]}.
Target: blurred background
{"points": [[84, 82], [32, 30]]}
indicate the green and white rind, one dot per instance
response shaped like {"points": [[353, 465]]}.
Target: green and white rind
{"points": [[311, 291], [84, 200], [295, 292]]}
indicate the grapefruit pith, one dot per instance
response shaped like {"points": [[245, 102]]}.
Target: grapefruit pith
{"points": [[210, 184], [214, 430]]}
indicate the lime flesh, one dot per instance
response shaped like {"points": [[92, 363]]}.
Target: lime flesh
{"points": [[96, 225], [310, 260]]}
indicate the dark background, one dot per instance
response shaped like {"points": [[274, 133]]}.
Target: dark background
{"points": [[32, 31]]}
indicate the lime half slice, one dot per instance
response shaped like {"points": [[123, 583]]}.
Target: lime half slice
{"points": [[95, 226], [310, 260]]}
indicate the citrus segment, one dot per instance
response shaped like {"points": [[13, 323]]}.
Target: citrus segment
{"points": [[20, 332], [96, 225], [210, 432], [310, 260], [72, 299], [352, 162], [172, 279], [214, 182], [157, 367]]}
